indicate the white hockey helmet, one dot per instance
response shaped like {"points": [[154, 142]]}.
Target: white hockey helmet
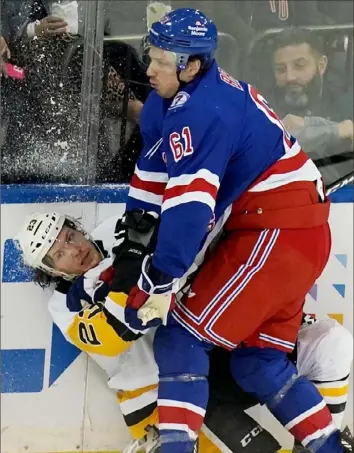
{"points": [[37, 236]]}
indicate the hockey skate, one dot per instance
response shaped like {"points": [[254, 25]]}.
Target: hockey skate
{"points": [[346, 438], [298, 448], [148, 444]]}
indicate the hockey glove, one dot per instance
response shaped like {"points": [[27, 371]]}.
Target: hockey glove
{"points": [[135, 235], [136, 230], [91, 288], [152, 299]]}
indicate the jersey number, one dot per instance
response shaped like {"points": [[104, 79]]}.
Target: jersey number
{"points": [[263, 105], [181, 145], [87, 334]]}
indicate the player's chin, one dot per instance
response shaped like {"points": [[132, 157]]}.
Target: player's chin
{"points": [[160, 92], [88, 266], [165, 93]]}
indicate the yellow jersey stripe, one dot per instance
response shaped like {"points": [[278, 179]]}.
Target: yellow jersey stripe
{"points": [[118, 298], [339, 391], [129, 395]]}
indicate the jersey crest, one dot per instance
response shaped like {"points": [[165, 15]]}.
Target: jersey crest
{"points": [[180, 99]]}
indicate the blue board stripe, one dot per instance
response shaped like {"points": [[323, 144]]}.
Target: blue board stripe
{"points": [[14, 271], [62, 355], [22, 370], [343, 195], [105, 193], [51, 193]]}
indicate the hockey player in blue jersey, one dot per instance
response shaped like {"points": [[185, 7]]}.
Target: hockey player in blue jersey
{"points": [[218, 161]]}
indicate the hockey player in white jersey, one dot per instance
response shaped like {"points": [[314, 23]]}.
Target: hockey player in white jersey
{"points": [[81, 266], [323, 353], [78, 265]]}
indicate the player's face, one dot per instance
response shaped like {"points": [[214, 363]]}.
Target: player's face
{"points": [[298, 72], [72, 253], [162, 72]]}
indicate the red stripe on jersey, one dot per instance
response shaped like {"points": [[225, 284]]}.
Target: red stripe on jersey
{"points": [[198, 185], [157, 188], [291, 164], [288, 141], [180, 416], [283, 166], [258, 99], [307, 427]]}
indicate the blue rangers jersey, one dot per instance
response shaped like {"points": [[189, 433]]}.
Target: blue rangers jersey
{"points": [[202, 151]]}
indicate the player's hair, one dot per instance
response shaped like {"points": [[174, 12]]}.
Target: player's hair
{"points": [[43, 279], [299, 35], [204, 64]]}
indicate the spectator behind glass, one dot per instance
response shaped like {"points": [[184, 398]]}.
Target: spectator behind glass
{"points": [[264, 14], [30, 18], [315, 110], [5, 53], [43, 137], [340, 11]]}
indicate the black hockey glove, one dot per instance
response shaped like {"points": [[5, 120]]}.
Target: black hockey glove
{"points": [[136, 230], [136, 236]]}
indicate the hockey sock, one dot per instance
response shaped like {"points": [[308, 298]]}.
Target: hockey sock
{"points": [[292, 399], [335, 394], [183, 387], [139, 409]]}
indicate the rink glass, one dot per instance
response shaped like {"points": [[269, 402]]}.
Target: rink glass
{"points": [[69, 121]]}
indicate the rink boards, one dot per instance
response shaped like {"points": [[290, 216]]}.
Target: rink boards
{"points": [[53, 398]]}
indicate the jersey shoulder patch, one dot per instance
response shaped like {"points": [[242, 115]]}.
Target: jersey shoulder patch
{"points": [[179, 100]]}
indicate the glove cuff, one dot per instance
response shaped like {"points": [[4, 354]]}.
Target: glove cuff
{"points": [[140, 221], [128, 250], [154, 281]]}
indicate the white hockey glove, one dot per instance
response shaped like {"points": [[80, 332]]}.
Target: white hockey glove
{"points": [[152, 299]]}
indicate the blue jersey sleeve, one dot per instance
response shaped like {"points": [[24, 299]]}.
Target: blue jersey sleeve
{"points": [[150, 176], [198, 150], [148, 183]]}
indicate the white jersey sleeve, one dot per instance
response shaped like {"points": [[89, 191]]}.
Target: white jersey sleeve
{"points": [[325, 354], [325, 351]]}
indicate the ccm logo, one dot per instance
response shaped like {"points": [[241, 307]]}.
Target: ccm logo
{"points": [[251, 435]]}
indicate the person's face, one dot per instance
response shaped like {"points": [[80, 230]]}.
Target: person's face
{"points": [[162, 72], [72, 253], [298, 73]]}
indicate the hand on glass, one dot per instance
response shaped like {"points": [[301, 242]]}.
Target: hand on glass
{"points": [[50, 25]]}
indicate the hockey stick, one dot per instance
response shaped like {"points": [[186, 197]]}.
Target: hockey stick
{"points": [[336, 159], [347, 179]]}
